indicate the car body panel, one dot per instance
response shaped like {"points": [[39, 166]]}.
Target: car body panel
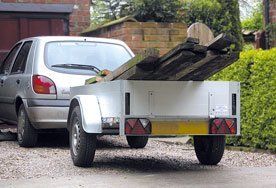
{"points": [[43, 116]]}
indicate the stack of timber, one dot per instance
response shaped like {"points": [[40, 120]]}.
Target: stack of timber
{"points": [[187, 61]]}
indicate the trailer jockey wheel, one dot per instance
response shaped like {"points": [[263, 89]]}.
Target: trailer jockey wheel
{"points": [[209, 149], [82, 144]]}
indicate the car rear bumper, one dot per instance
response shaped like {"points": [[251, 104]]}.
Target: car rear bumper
{"points": [[47, 114]]}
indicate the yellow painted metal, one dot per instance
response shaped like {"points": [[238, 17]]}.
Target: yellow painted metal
{"points": [[179, 127]]}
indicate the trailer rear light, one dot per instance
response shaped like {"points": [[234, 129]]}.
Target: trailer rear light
{"points": [[111, 122], [43, 85], [135, 126], [223, 126]]}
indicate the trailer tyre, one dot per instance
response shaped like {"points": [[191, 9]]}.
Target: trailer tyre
{"points": [[82, 144], [137, 141], [209, 149], [26, 133]]}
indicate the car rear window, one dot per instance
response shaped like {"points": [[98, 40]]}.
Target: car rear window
{"points": [[101, 55]]}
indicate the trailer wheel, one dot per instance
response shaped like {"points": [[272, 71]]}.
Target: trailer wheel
{"points": [[82, 144], [26, 133], [137, 141], [209, 149]]}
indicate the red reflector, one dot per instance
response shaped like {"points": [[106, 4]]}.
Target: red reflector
{"points": [[43, 85], [135, 127], [223, 126]]}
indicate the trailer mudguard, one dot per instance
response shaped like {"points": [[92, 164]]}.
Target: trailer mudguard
{"points": [[90, 113]]}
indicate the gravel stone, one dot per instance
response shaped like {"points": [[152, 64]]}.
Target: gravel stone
{"points": [[52, 159]]}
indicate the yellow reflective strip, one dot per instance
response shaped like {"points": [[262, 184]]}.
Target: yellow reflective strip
{"points": [[179, 127]]}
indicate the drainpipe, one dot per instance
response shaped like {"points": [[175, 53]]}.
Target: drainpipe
{"points": [[266, 6]]}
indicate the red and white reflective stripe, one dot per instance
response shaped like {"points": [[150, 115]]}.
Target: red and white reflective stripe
{"points": [[223, 126], [135, 126]]}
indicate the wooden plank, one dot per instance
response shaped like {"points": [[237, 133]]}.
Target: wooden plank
{"points": [[220, 42], [135, 73], [183, 64], [93, 80], [176, 62], [196, 63], [188, 44], [212, 67], [145, 60], [169, 65], [98, 77], [228, 60]]}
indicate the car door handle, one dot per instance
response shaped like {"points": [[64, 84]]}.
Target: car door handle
{"points": [[2, 82], [18, 81]]}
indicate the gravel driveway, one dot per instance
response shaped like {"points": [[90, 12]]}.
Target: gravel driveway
{"points": [[52, 159]]}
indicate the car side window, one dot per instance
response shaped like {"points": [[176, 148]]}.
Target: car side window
{"points": [[5, 66], [21, 59]]}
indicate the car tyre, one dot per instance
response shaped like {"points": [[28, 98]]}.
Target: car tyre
{"points": [[82, 144], [26, 133], [209, 149], [137, 141]]}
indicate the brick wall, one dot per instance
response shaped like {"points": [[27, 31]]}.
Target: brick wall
{"points": [[78, 20], [142, 35]]}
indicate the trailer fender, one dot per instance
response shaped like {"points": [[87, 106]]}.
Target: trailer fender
{"points": [[90, 112]]}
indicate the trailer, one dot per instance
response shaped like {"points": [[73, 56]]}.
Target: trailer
{"points": [[206, 110]]}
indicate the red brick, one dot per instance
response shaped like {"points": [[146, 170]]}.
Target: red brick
{"points": [[179, 25], [164, 25], [8, 1], [137, 38], [159, 38], [149, 24], [132, 24], [136, 31], [163, 51], [157, 44], [139, 44], [177, 38], [156, 35]]}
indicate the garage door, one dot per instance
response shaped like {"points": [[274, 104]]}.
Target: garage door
{"points": [[14, 29]]}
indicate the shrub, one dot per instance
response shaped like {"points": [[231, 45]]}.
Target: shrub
{"points": [[256, 71]]}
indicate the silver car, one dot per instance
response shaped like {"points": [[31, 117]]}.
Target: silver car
{"points": [[36, 76]]}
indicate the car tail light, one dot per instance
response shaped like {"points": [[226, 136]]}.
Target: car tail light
{"points": [[43, 85], [137, 126], [223, 126]]}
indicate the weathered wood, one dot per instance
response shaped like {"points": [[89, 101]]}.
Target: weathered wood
{"points": [[182, 63], [169, 65], [200, 49], [135, 73], [174, 61], [193, 66], [221, 42], [188, 44], [210, 68], [187, 61], [93, 80], [149, 57], [201, 32]]}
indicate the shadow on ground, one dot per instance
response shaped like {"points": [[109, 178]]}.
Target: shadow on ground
{"points": [[118, 156]]}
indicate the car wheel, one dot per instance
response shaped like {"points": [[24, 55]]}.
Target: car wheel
{"points": [[26, 133], [137, 141], [209, 149], [82, 144]]}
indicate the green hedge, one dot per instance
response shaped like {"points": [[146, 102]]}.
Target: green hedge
{"points": [[256, 70]]}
